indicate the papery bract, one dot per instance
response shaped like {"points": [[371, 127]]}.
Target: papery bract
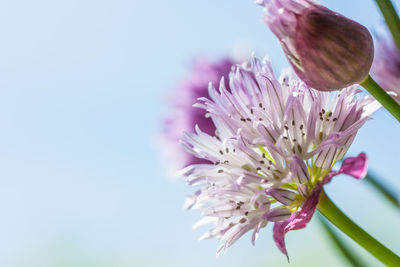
{"points": [[354, 166]]}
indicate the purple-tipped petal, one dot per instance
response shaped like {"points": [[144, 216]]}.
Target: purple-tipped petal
{"points": [[278, 214], [303, 189], [283, 195], [299, 170]]}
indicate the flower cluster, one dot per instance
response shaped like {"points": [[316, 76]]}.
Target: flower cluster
{"points": [[184, 117], [386, 67], [275, 144]]}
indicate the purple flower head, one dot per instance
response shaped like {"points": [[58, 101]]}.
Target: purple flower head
{"points": [[276, 142], [327, 50], [184, 117], [386, 66]]}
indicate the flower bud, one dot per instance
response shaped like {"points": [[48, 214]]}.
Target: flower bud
{"points": [[386, 66], [327, 50]]}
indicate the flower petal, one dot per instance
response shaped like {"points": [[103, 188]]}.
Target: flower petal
{"points": [[355, 166], [284, 196], [297, 220], [277, 214]]}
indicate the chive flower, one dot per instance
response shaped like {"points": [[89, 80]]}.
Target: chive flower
{"points": [[275, 144], [386, 66], [183, 117]]}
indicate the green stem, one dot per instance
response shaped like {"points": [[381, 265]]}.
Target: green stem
{"points": [[347, 226], [339, 244], [384, 98], [391, 18], [382, 188]]}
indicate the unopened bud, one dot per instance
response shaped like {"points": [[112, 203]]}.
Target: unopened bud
{"points": [[327, 50]]}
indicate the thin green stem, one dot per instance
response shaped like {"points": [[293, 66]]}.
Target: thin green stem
{"points": [[382, 188], [339, 244], [382, 96], [391, 18], [347, 226]]}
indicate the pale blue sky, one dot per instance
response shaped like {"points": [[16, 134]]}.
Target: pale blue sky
{"points": [[82, 89]]}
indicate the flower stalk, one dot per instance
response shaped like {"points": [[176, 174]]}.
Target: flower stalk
{"points": [[391, 18], [347, 226], [342, 248], [382, 96]]}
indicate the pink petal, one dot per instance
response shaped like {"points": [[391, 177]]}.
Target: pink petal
{"points": [[279, 235], [355, 166]]}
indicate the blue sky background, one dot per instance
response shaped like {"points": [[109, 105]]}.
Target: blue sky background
{"points": [[82, 91]]}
